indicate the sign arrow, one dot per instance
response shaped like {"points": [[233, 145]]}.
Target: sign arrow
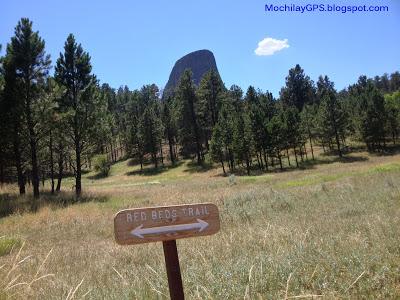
{"points": [[140, 231]]}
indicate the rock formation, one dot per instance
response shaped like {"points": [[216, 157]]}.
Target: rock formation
{"points": [[199, 62]]}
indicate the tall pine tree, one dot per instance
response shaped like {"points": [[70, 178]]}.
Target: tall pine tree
{"points": [[186, 105], [31, 65], [73, 71]]}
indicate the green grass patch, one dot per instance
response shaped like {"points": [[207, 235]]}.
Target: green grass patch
{"points": [[7, 244], [315, 179], [253, 179], [386, 168]]}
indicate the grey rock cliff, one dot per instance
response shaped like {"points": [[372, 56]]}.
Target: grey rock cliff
{"points": [[199, 62]]}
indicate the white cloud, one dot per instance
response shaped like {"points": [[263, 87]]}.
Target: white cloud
{"points": [[269, 46]]}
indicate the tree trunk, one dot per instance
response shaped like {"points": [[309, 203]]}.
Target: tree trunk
{"points": [[258, 162], [161, 154], [261, 160], [171, 149], [295, 155], [1, 172], [305, 151], [51, 162], [32, 142], [176, 152], [248, 166], [18, 164], [198, 156], [155, 160], [207, 144], [231, 158], [112, 152], [338, 142], [280, 161], [312, 150], [60, 165], [78, 175], [288, 158], [301, 153], [141, 161], [59, 177], [265, 160], [196, 133], [223, 166]]}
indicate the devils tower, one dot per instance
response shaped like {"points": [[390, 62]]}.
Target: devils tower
{"points": [[199, 62]]}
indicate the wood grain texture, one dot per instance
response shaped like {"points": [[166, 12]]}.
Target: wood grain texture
{"points": [[165, 223]]}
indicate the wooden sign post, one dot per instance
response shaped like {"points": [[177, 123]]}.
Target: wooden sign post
{"points": [[167, 224]]}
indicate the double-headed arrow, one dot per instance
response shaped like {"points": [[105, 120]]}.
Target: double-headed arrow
{"points": [[140, 231]]}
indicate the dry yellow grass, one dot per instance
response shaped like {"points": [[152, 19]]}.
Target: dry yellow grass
{"points": [[330, 231]]}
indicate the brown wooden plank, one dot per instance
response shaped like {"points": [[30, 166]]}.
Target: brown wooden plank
{"points": [[164, 223], [173, 270]]}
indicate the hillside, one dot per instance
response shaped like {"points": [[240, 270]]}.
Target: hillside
{"points": [[327, 229]]}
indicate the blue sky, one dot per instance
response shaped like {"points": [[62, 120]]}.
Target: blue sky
{"points": [[137, 42]]}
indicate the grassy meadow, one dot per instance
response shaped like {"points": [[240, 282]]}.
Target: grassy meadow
{"points": [[328, 230]]}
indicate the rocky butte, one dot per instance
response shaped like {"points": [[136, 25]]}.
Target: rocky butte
{"points": [[199, 62]]}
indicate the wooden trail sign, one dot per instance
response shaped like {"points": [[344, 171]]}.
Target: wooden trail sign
{"points": [[153, 224], [166, 224]]}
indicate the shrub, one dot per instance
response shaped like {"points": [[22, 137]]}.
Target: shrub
{"points": [[7, 244], [102, 165]]}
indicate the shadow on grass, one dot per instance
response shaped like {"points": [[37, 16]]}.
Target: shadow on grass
{"points": [[97, 176], [389, 150], [151, 171], [303, 165], [12, 203], [194, 167], [309, 164], [134, 162]]}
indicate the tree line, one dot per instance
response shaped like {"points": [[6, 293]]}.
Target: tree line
{"points": [[53, 126]]}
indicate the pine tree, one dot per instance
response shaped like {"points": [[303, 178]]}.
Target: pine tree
{"points": [[231, 112], [4, 140], [395, 81], [13, 115], [277, 131], [299, 89], [308, 124], [243, 142], [81, 101], [209, 95], [169, 127], [150, 128], [111, 132], [222, 140], [291, 130], [134, 112], [392, 109], [189, 132], [332, 120], [368, 115], [49, 127], [31, 66], [373, 118], [217, 145], [257, 114], [123, 99]]}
